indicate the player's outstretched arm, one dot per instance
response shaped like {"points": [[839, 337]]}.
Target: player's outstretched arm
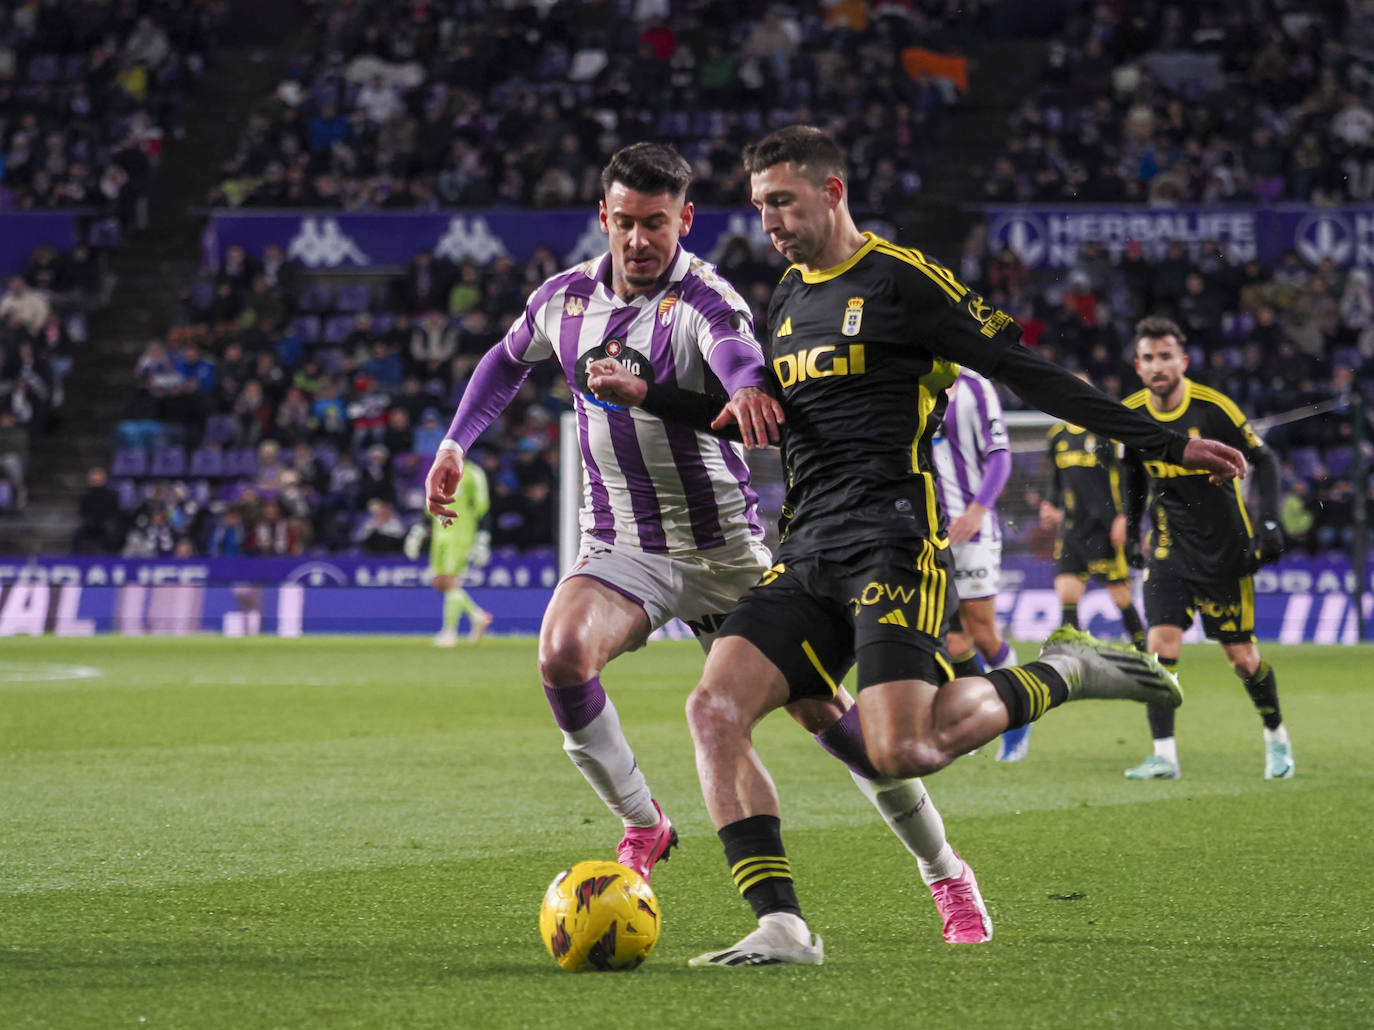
{"points": [[751, 415], [441, 485], [1050, 388]]}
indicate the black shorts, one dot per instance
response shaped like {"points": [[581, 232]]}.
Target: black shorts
{"points": [[888, 607], [1227, 605], [1090, 554]]}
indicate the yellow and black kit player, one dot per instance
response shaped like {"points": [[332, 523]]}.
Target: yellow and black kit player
{"points": [[1201, 546], [862, 355], [1085, 490]]}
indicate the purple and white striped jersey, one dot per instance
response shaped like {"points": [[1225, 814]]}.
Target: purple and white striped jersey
{"points": [[972, 431], [646, 483]]}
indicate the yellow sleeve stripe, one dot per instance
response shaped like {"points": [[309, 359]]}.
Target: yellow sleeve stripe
{"points": [[1223, 402], [1136, 399], [938, 274], [810, 653]]}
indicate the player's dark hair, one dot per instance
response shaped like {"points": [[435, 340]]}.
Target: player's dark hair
{"points": [[815, 154], [651, 168], [1155, 327]]}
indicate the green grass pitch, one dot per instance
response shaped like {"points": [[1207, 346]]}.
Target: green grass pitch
{"points": [[354, 832]]}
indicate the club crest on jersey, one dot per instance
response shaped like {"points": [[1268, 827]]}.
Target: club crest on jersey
{"points": [[853, 317], [574, 307], [665, 308]]}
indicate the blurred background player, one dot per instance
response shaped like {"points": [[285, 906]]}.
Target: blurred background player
{"points": [[455, 541], [972, 457], [1201, 547], [1085, 505]]}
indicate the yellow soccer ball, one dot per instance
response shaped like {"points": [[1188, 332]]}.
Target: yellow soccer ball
{"points": [[599, 916]]}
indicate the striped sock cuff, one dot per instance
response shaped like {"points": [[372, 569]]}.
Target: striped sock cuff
{"points": [[755, 870]]}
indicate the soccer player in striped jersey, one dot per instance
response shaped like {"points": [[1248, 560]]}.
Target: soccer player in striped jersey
{"points": [[865, 337], [972, 458], [669, 522], [1202, 547]]}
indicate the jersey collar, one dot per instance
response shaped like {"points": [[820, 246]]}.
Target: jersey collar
{"points": [[1169, 416], [826, 274], [678, 268]]}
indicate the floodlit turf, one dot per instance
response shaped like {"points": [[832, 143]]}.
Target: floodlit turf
{"points": [[356, 833]]}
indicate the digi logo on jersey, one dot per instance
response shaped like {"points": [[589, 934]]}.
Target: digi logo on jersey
{"points": [[819, 363]]}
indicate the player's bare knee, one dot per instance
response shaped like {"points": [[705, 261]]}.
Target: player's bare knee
{"points": [[712, 712], [565, 661], [905, 758]]}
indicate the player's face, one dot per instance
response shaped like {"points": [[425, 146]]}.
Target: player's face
{"points": [[644, 229], [797, 214], [1160, 362]]}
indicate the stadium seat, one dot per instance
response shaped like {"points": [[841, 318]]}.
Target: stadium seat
{"points": [[338, 328], [207, 462], [127, 492], [203, 295], [6, 495], [307, 328], [315, 298], [353, 297], [219, 429], [241, 462], [169, 462], [44, 68], [129, 461]]}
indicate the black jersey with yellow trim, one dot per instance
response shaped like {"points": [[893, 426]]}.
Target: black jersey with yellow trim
{"points": [[1086, 479], [1201, 526], [863, 353]]}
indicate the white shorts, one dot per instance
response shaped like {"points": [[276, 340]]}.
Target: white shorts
{"points": [[978, 569], [700, 589]]}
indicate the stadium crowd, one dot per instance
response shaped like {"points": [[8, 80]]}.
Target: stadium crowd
{"points": [[286, 412], [1165, 103], [88, 93], [465, 103]]}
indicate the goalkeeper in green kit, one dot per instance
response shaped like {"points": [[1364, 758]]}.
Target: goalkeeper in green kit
{"points": [[453, 543]]}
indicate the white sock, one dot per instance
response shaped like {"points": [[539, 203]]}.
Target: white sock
{"points": [[1280, 734], [912, 816], [1167, 747], [603, 755]]}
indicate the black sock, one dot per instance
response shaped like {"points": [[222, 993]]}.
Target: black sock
{"points": [[1028, 691], [1162, 716], [753, 847], [1264, 694], [966, 664], [1130, 618], [1070, 616]]}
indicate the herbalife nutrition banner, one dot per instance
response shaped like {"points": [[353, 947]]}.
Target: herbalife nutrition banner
{"points": [[1297, 601], [326, 240], [1049, 236]]}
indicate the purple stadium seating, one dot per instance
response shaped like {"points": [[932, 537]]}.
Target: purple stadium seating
{"points": [[129, 461], [207, 462], [353, 297], [169, 462]]}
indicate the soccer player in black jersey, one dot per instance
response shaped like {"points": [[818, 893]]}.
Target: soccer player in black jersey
{"points": [[1085, 504], [865, 336], [1202, 546]]}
